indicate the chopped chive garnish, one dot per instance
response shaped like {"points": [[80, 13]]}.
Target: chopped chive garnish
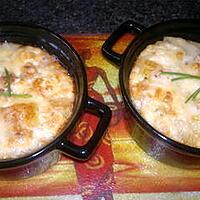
{"points": [[182, 76], [8, 81], [9, 92], [193, 96], [6, 94]]}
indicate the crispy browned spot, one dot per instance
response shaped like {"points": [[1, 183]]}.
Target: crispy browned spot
{"points": [[196, 66], [21, 118], [179, 55], [151, 65], [29, 69], [147, 67], [167, 98], [159, 94], [42, 86], [163, 95], [20, 114], [138, 88], [27, 55]]}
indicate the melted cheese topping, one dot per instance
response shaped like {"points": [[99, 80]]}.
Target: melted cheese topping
{"points": [[161, 101], [30, 122]]}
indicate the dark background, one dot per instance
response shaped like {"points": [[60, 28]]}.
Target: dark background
{"points": [[97, 16]]}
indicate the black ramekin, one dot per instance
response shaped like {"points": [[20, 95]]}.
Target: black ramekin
{"points": [[39, 161], [153, 142]]}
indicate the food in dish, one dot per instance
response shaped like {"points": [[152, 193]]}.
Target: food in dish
{"points": [[36, 99], [164, 86]]}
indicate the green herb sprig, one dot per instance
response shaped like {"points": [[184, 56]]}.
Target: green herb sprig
{"points": [[182, 76], [9, 93], [8, 81]]}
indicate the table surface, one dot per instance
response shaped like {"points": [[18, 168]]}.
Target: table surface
{"points": [[99, 16], [119, 169]]}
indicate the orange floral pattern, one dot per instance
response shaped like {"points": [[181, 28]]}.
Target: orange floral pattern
{"points": [[119, 169]]}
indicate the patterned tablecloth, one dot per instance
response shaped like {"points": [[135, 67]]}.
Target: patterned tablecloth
{"points": [[119, 169]]}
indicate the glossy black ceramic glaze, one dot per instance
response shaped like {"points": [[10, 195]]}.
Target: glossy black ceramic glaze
{"points": [[152, 141], [67, 56]]}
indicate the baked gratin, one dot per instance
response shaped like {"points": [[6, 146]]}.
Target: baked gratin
{"points": [[164, 86], [36, 99]]}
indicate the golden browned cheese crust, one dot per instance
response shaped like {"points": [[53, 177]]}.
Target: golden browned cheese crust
{"points": [[36, 99], [161, 101]]}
